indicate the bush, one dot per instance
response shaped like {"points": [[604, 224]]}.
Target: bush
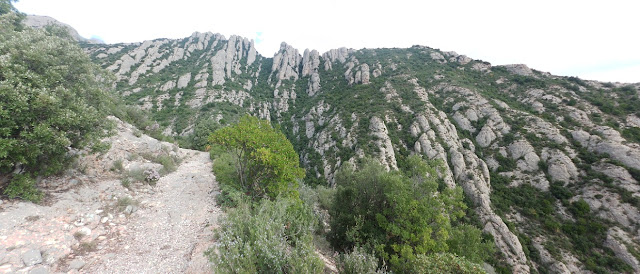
{"points": [[264, 160], [270, 237], [24, 187], [358, 261], [397, 215], [443, 263], [51, 100], [467, 241]]}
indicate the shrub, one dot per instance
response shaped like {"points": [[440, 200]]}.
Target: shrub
{"points": [[265, 161], [467, 241], [52, 98], [358, 261], [24, 187], [441, 263], [270, 237], [117, 166], [397, 215]]}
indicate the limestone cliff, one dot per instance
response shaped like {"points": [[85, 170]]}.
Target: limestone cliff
{"points": [[529, 149]]}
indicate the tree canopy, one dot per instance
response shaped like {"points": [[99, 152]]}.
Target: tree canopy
{"points": [[266, 163]]}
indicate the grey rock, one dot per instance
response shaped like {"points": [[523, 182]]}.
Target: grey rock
{"points": [[184, 80], [546, 258], [39, 270], [128, 209], [37, 21], [334, 55], [386, 153], [560, 166], [286, 62], [76, 264], [520, 69], [32, 257], [485, 137], [619, 248], [524, 151]]}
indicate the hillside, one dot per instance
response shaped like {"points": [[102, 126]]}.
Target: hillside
{"points": [[92, 221], [549, 164]]}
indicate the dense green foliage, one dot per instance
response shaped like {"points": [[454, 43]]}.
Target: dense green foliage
{"points": [[358, 261], [261, 235], [444, 263], [265, 162], [268, 237], [52, 99], [400, 214]]}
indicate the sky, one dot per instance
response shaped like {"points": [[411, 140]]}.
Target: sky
{"points": [[594, 40]]}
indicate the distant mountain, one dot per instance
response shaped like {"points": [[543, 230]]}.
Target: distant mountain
{"points": [[550, 164], [38, 21]]}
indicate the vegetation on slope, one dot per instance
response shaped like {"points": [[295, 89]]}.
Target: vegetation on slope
{"points": [[52, 100]]}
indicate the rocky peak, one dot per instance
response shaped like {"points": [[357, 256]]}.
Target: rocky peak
{"points": [[38, 21], [286, 63]]}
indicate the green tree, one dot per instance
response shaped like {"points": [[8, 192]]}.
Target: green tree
{"points": [[396, 214], [51, 101], [265, 161]]}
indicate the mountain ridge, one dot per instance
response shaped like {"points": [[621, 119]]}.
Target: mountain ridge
{"points": [[500, 130]]}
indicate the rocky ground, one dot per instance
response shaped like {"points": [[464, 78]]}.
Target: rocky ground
{"points": [[92, 222]]}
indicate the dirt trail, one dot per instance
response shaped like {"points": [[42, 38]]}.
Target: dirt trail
{"points": [[91, 222], [171, 232]]}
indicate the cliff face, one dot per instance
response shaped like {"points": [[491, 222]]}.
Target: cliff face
{"points": [[527, 147]]}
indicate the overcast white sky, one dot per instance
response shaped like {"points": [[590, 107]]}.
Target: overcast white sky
{"points": [[596, 40]]}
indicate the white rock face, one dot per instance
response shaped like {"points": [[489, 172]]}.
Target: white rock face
{"points": [[485, 137], [310, 67], [620, 176], [168, 85], [37, 21], [561, 168], [610, 145], [546, 258], [609, 206], [525, 154], [520, 69], [386, 154], [334, 55], [286, 63], [184, 80], [217, 67], [633, 120], [616, 239]]}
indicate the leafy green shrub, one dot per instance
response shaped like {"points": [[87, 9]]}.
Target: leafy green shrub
{"points": [[632, 134], [397, 215], [229, 197], [270, 237], [201, 131], [51, 100], [358, 261], [443, 263], [265, 161], [325, 196], [467, 241], [24, 187], [225, 171], [169, 163]]}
